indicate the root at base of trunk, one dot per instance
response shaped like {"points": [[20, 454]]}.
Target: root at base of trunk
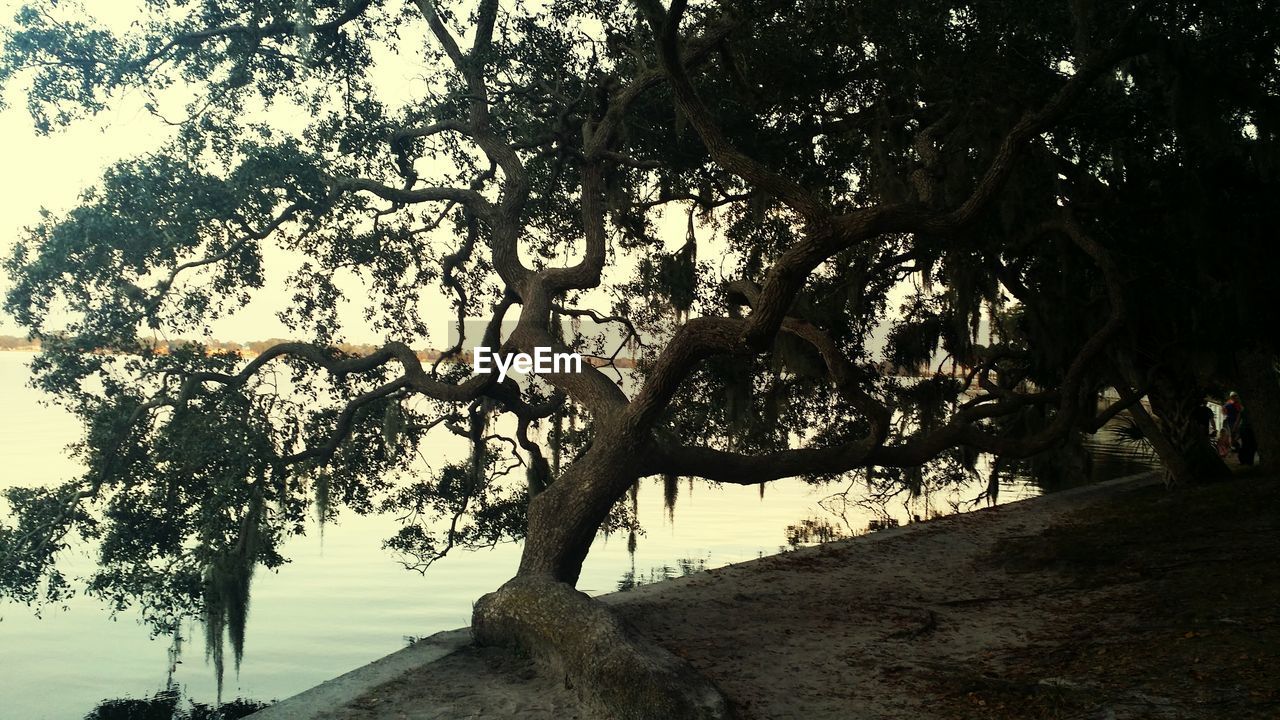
{"points": [[609, 665]]}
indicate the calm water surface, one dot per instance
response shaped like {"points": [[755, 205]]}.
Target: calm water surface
{"points": [[343, 601]]}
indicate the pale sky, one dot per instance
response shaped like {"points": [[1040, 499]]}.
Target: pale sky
{"points": [[51, 171]]}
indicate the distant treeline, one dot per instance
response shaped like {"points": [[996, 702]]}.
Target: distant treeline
{"points": [[12, 342], [254, 348], [248, 349]]}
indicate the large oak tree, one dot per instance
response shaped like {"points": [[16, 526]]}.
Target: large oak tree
{"points": [[976, 154]]}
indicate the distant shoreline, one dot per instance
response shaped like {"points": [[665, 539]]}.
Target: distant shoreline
{"points": [[252, 349], [425, 355]]}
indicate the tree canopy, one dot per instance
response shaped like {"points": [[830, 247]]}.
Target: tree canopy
{"points": [[1030, 177]]}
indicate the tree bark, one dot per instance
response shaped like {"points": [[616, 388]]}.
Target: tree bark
{"points": [[614, 670], [1260, 394], [565, 517], [1173, 401], [1177, 470]]}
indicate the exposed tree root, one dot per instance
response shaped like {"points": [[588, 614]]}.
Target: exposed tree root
{"points": [[613, 669]]}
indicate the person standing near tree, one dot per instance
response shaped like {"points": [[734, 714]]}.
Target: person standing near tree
{"points": [[1203, 417], [1248, 449], [1232, 409]]}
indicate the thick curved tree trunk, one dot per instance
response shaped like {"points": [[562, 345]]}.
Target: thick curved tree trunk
{"points": [[613, 669], [1169, 424], [1186, 450], [1177, 470]]}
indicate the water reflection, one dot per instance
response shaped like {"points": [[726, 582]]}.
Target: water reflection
{"points": [[811, 531], [169, 705], [683, 568]]}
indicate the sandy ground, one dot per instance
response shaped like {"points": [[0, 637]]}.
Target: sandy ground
{"points": [[1049, 608], [471, 684]]}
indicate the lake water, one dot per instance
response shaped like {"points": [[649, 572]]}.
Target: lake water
{"points": [[343, 601]]}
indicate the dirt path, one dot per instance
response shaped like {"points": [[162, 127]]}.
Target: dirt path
{"points": [[1122, 601]]}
